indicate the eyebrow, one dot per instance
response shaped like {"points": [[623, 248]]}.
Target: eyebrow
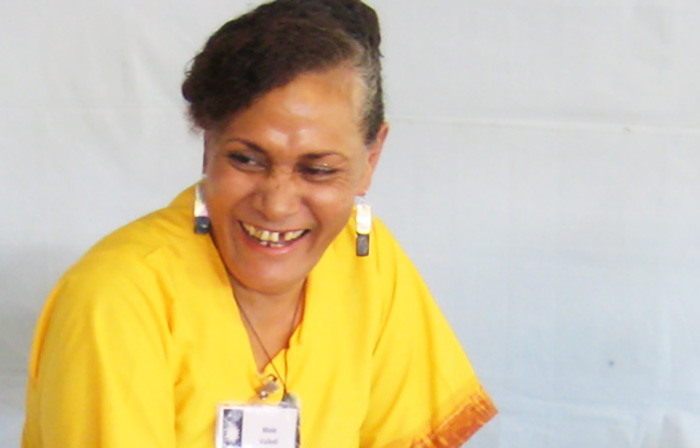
{"points": [[311, 156], [321, 155], [247, 143]]}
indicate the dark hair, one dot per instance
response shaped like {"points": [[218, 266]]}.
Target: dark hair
{"points": [[271, 45]]}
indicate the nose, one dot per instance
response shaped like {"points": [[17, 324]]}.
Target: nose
{"points": [[277, 197]]}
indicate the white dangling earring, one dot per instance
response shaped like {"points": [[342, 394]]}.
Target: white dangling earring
{"points": [[363, 220], [202, 223]]}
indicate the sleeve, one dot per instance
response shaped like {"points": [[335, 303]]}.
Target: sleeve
{"points": [[424, 391], [99, 369]]}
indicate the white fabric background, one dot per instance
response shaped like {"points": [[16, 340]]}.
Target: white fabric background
{"points": [[543, 171]]}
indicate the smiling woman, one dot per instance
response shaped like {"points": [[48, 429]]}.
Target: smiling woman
{"points": [[281, 179], [273, 308]]}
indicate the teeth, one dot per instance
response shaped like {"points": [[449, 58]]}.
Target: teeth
{"points": [[289, 236], [250, 229], [271, 238]]}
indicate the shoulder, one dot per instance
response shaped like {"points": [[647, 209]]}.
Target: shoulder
{"points": [[162, 228], [128, 248], [138, 260], [133, 279]]}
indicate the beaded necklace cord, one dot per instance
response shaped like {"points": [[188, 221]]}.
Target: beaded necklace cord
{"points": [[264, 391]]}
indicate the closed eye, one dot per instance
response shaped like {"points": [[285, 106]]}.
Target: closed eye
{"points": [[247, 162], [317, 172]]}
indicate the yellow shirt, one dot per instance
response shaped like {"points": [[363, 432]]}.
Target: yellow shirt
{"points": [[142, 339]]}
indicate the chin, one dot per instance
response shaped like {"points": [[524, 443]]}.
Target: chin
{"points": [[271, 284]]}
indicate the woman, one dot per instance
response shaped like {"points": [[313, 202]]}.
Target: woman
{"points": [[286, 315]]}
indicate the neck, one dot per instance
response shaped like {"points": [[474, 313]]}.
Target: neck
{"points": [[261, 303], [270, 319]]}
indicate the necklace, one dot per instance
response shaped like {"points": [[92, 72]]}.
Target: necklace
{"points": [[269, 384]]}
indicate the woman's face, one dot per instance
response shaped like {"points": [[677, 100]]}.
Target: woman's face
{"points": [[282, 176]]}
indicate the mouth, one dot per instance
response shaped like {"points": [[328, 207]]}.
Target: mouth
{"points": [[271, 238]]}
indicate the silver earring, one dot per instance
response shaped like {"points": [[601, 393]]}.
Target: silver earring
{"points": [[202, 223], [363, 220]]}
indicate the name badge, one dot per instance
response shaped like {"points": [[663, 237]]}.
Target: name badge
{"points": [[257, 426]]}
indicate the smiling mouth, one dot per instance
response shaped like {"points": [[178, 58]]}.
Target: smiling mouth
{"points": [[270, 238]]}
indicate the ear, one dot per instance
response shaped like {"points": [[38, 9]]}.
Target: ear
{"points": [[374, 151]]}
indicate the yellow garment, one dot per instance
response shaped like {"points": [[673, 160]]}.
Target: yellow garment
{"points": [[142, 339]]}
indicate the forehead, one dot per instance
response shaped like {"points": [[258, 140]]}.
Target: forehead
{"points": [[317, 110], [338, 89]]}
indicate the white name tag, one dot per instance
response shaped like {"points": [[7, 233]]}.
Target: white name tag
{"points": [[256, 426]]}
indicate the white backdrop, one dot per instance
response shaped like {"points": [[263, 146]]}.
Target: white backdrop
{"points": [[543, 172]]}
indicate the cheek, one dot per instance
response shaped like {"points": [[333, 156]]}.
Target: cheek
{"points": [[224, 196], [225, 186], [332, 207], [333, 204]]}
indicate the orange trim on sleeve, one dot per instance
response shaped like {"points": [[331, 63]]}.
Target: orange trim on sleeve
{"points": [[458, 427]]}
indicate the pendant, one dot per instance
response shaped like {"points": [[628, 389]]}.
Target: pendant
{"points": [[268, 386]]}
